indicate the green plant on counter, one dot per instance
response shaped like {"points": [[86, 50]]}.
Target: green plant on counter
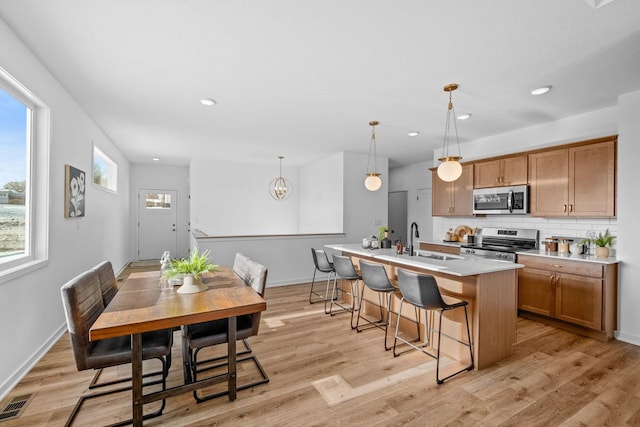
{"points": [[603, 240], [197, 264], [381, 230]]}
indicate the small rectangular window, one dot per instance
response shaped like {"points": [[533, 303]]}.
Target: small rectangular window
{"points": [[158, 201], [105, 170]]}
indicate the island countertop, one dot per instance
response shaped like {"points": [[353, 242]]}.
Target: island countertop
{"points": [[455, 265]]}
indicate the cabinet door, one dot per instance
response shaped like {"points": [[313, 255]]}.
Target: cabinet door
{"points": [[536, 291], [549, 178], [592, 180], [442, 196], [486, 174], [514, 170], [579, 300], [463, 192]]}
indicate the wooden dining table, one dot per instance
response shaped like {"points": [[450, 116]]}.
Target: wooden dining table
{"points": [[142, 304]]}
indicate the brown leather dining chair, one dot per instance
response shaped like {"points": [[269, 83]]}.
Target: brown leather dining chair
{"points": [[108, 283], [83, 303], [198, 336]]}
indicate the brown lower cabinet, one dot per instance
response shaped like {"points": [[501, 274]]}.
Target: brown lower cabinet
{"points": [[575, 295]]}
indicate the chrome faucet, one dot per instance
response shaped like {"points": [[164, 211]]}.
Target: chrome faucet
{"points": [[411, 234]]}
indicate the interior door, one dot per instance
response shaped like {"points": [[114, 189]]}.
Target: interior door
{"points": [[157, 220], [397, 216]]}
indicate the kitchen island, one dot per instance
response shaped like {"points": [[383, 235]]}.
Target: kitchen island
{"points": [[490, 287]]}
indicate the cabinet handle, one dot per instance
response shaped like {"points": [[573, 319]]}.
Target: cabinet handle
{"points": [[571, 207], [556, 265], [564, 208]]}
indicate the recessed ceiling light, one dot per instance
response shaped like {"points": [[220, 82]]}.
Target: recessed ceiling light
{"points": [[156, 159], [413, 134], [208, 102], [541, 90], [464, 116]]}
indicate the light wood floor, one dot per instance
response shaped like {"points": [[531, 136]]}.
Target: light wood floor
{"points": [[324, 374]]}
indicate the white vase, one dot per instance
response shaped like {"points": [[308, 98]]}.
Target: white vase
{"points": [[191, 286]]}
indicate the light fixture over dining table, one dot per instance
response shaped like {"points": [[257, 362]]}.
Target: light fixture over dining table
{"points": [[450, 168], [280, 188], [373, 182]]}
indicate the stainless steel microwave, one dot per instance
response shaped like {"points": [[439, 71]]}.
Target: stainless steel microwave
{"points": [[501, 200]]}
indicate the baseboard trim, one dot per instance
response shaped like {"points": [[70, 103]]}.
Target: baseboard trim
{"points": [[24, 369]]}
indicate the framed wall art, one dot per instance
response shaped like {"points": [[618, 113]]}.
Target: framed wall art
{"points": [[74, 192]]}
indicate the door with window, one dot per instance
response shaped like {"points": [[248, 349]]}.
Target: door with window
{"points": [[157, 220]]}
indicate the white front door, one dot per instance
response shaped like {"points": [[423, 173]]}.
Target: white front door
{"points": [[157, 217]]}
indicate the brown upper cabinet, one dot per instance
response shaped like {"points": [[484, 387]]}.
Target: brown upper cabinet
{"points": [[578, 181], [510, 170], [453, 198]]}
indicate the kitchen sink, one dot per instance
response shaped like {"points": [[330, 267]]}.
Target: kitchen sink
{"points": [[439, 257]]}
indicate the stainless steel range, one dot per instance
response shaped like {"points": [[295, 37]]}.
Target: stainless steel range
{"points": [[502, 243]]}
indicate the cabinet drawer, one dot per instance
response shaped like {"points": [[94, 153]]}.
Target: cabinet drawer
{"points": [[563, 266]]}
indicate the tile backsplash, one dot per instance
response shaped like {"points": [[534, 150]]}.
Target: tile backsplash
{"points": [[565, 227]]}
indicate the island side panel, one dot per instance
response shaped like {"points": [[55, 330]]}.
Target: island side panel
{"points": [[496, 317]]}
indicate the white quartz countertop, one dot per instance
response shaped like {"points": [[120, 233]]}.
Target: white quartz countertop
{"points": [[456, 265], [569, 256]]}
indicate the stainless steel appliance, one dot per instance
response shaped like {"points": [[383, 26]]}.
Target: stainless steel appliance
{"points": [[502, 243], [501, 200]]}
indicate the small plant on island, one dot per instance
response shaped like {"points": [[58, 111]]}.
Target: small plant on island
{"points": [[381, 230], [195, 265], [602, 241]]}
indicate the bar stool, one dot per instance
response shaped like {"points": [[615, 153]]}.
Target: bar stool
{"points": [[323, 265], [345, 269], [374, 277], [421, 290]]}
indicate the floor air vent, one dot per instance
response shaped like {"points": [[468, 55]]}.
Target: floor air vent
{"points": [[15, 407]]}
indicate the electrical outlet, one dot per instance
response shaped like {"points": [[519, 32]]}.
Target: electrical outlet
{"points": [[377, 222]]}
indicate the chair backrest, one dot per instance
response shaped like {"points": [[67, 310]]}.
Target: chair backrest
{"points": [[82, 300], [240, 265], [108, 283], [420, 289], [256, 277], [375, 276], [321, 261], [344, 267]]}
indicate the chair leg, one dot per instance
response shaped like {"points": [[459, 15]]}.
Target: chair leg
{"points": [[157, 413], [313, 281], [471, 364], [252, 357], [332, 301], [326, 292]]}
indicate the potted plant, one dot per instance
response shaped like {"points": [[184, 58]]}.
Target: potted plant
{"points": [[602, 242], [192, 268]]}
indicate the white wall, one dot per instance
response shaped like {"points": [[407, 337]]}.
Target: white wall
{"points": [[232, 198], [288, 258], [31, 314], [628, 208], [161, 178], [320, 193]]}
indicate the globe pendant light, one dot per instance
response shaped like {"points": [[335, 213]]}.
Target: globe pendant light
{"points": [[450, 168], [280, 188], [373, 182]]}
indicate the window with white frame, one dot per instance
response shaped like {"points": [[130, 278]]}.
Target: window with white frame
{"points": [[105, 170], [24, 140]]}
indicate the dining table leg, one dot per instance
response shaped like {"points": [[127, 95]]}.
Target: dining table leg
{"points": [[231, 352], [136, 379]]}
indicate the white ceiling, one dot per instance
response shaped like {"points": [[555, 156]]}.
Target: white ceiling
{"points": [[303, 78]]}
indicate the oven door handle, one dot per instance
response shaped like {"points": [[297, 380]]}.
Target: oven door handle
{"points": [[510, 201]]}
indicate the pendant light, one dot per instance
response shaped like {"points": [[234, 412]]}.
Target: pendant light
{"points": [[373, 182], [450, 168], [280, 188]]}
